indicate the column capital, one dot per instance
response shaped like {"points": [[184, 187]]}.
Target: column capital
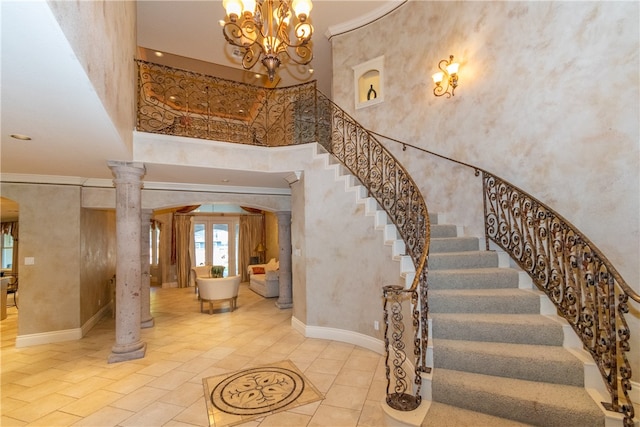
{"points": [[126, 171]]}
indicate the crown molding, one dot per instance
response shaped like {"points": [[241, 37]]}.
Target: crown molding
{"points": [[344, 27], [147, 185]]}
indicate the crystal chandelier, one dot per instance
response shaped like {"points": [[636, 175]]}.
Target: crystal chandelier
{"points": [[261, 30]]}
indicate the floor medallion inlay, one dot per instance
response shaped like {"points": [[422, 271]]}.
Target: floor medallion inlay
{"points": [[256, 392]]}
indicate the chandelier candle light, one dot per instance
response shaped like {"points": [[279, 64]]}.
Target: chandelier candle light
{"points": [[261, 30]]}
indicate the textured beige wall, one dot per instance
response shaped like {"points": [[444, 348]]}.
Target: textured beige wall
{"points": [[103, 36], [548, 100], [98, 260], [299, 254], [346, 262], [50, 234], [271, 232]]}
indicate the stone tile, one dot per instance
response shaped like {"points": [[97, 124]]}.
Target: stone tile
{"points": [[105, 417], [354, 378], [321, 381], [282, 419], [85, 386], [372, 414], [159, 368], [335, 417], [196, 414], [91, 402], [156, 414], [11, 422], [184, 395], [139, 398], [347, 397], [56, 418], [130, 383], [31, 394], [171, 380], [326, 366], [38, 409]]}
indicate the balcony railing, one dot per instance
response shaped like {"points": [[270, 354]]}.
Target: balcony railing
{"points": [[575, 275]]}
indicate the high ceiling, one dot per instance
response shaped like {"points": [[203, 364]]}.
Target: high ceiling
{"points": [[46, 94], [191, 29]]}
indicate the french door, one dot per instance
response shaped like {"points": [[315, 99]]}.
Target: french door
{"points": [[216, 243]]}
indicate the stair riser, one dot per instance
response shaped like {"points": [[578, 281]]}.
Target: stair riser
{"points": [[526, 368], [462, 279]]}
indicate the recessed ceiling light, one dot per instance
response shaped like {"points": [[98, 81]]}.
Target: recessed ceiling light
{"points": [[158, 53], [20, 137], [225, 180]]}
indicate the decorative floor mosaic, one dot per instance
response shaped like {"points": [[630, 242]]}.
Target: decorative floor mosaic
{"points": [[256, 392]]}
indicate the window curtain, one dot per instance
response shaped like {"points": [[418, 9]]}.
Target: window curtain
{"points": [[12, 229], [251, 231], [183, 235]]}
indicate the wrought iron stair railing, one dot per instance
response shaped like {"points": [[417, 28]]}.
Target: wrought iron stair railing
{"points": [[587, 290]]}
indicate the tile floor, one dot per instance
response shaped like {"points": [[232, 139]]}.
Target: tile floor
{"points": [[70, 383]]}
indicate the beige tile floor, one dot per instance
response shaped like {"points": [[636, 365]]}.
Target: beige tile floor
{"points": [[70, 383]]}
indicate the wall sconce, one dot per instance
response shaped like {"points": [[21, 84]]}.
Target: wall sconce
{"points": [[450, 73]]}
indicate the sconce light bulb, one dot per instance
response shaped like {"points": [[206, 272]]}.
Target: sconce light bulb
{"points": [[437, 78], [453, 68]]}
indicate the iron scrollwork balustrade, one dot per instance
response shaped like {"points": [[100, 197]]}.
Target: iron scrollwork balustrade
{"points": [[178, 102], [585, 288]]}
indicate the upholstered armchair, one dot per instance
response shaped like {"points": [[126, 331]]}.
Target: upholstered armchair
{"points": [[199, 271], [218, 289]]}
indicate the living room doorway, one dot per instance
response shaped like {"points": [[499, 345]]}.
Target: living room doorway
{"points": [[216, 243]]}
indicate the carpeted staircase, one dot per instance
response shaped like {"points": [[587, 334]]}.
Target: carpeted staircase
{"points": [[493, 352], [496, 360]]}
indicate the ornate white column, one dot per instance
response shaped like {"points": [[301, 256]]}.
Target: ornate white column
{"points": [[128, 183], [285, 299], [146, 320]]}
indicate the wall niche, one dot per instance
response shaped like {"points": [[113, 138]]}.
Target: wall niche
{"points": [[368, 80]]}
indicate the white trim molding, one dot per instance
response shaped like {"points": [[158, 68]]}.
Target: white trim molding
{"points": [[62, 335], [48, 337], [341, 335], [360, 21]]}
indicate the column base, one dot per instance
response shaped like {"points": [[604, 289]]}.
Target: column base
{"points": [[129, 355], [149, 323], [283, 305]]}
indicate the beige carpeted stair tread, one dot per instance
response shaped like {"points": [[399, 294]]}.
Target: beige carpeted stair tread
{"points": [[473, 278], [500, 301], [464, 259], [441, 415], [510, 328], [553, 364], [524, 401]]}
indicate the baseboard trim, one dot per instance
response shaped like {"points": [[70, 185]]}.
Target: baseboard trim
{"points": [[93, 321], [48, 337], [62, 335], [341, 335]]}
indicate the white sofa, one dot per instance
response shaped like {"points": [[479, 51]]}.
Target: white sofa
{"points": [[264, 279], [218, 289]]}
